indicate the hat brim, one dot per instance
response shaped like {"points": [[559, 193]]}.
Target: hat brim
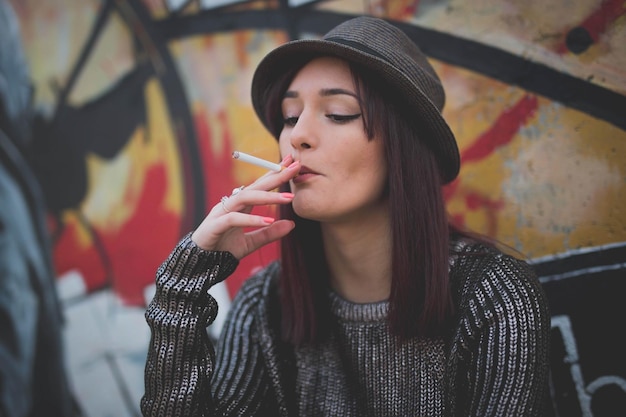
{"points": [[438, 134]]}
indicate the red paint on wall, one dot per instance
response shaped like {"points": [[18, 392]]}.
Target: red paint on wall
{"points": [[501, 133], [126, 258], [607, 13], [70, 255], [143, 242], [218, 168], [599, 21]]}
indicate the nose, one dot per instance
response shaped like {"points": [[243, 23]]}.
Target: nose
{"points": [[302, 134]]}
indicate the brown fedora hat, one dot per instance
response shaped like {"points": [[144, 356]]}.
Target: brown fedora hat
{"points": [[386, 50]]}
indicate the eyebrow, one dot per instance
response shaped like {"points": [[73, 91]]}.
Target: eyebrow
{"points": [[324, 92]]}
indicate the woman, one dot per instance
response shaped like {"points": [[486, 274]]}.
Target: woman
{"points": [[378, 306]]}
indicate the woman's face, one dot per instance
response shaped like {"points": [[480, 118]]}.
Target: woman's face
{"points": [[343, 174]]}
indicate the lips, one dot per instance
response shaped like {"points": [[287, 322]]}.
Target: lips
{"points": [[306, 170], [304, 174]]}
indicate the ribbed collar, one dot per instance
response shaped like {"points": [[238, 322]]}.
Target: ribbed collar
{"points": [[357, 312]]}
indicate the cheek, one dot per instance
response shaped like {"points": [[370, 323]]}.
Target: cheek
{"points": [[283, 145], [283, 148], [376, 172], [366, 161]]}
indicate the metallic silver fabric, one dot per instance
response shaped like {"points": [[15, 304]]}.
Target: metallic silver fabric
{"points": [[493, 363], [364, 371]]}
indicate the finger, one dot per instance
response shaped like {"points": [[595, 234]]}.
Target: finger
{"points": [[254, 238], [242, 220], [261, 237], [246, 200], [215, 233]]}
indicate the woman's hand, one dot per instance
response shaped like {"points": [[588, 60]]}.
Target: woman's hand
{"points": [[223, 228]]}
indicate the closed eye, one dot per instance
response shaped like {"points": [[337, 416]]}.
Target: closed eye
{"points": [[290, 121], [343, 118], [339, 118]]}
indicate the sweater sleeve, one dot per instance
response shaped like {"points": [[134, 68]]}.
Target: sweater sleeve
{"points": [[181, 358], [504, 342], [243, 383]]}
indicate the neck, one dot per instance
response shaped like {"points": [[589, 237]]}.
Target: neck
{"points": [[359, 258]]}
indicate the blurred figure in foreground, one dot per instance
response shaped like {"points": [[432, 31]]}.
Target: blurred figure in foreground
{"points": [[33, 379]]}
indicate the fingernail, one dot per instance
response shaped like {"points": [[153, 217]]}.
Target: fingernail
{"points": [[285, 159], [268, 219], [293, 164], [288, 195]]}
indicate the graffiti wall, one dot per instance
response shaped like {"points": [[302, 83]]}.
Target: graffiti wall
{"points": [[137, 105]]}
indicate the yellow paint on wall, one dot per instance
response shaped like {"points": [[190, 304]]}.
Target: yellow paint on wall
{"points": [[252, 138], [55, 34], [115, 185], [569, 182], [559, 184]]}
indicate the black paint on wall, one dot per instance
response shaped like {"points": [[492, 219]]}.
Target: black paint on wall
{"points": [[586, 291], [571, 91]]}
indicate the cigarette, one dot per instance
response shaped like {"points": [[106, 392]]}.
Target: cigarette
{"points": [[257, 161]]}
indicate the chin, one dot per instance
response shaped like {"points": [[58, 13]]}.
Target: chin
{"points": [[307, 211]]}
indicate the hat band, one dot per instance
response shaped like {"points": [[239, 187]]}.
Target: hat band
{"points": [[356, 45]]}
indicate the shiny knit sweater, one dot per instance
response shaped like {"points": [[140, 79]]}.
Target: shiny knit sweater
{"points": [[493, 363]]}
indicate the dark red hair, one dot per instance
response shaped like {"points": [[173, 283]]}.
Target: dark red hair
{"points": [[420, 299]]}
